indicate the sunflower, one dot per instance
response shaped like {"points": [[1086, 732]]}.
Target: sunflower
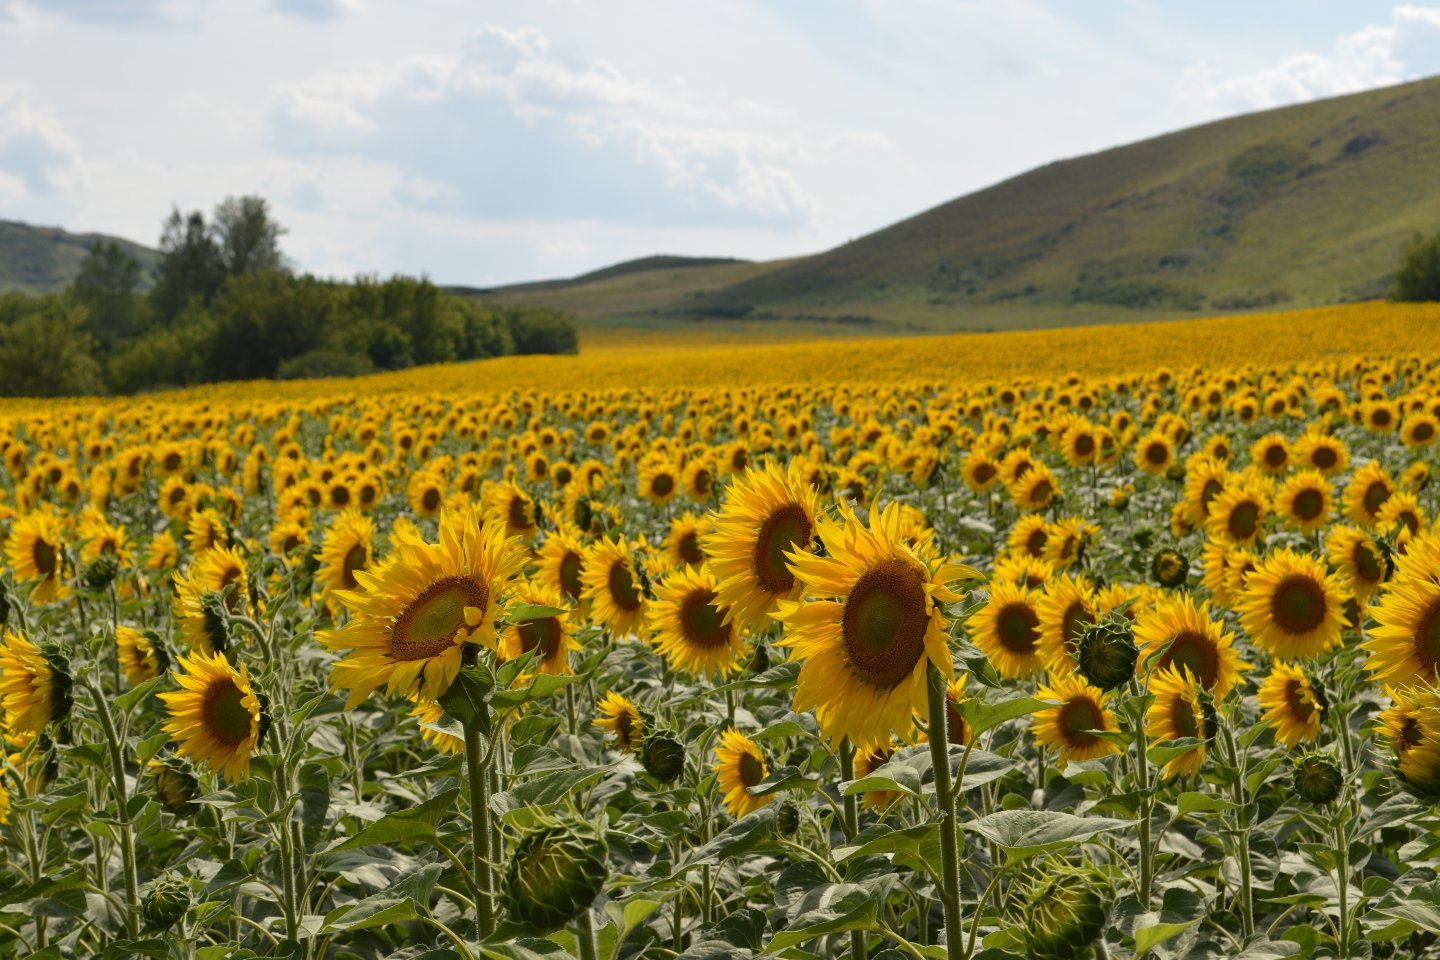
{"points": [[1412, 728], [1237, 514], [216, 716], [1325, 453], [1178, 713], [1068, 727], [872, 623], [36, 551], [1369, 487], [1205, 479], [1022, 570], [698, 479], [621, 719], [1029, 536], [1036, 490], [561, 560], [1154, 453], [290, 539], [1271, 454], [1291, 606], [980, 471], [1066, 608], [1291, 705], [1306, 501], [104, 539], [1420, 429], [767, 513], [1361, 562], [867, 761], [1401, 516], [1068, 539], [1176, 633], [740, 764], [659, 482], [1007, 631], [206, 529], [163, 553], [348, 547], [219, 570], [687, 531], [553, 636], [613, 588], [431, 716], [412, 615], [425, 492], [34, 687], [142, 656], [692, 630], [506, 500], [1077, 443], [1405, 647], [955, 698]]}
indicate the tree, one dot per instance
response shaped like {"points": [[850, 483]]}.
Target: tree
{"points": [[106, 289], [248, 240], [190, 265], [46, 353], [1419, 275]]}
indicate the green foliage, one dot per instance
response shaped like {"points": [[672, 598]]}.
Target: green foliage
{"points": [[45, 352], [106, 289], [1419, 275]]}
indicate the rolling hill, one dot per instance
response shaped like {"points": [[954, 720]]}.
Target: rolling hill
{"points": [[42, 259], [1298, 206]]}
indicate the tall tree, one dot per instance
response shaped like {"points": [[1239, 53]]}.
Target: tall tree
{"points": [[248, 240], [190, 265], [106, 288]]}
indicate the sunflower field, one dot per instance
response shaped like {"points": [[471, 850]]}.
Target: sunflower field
{"points": [[1124, 649]]}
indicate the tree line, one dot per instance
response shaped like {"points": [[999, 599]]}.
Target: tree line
{"points": [[223, 303]]}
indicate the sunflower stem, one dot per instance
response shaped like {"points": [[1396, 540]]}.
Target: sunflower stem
{"points": [[1342, 880], [585, 935], [122, 804], [939, 732], [851, 823], [480, 833], [1242, 832]]}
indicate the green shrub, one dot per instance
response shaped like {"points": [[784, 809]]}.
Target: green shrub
{"points": [[1418, 278]]}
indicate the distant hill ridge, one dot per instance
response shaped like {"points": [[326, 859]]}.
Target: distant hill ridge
{"points": [[37, 259]]}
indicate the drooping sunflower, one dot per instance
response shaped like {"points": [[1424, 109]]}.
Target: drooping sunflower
{"points": [[870, 624], [1292, 606], [1305, 501], [1178, 713], [412, 615], [1405, 648], [739, 764], [1066, 608], [36, 551], [613, 588], [1369, 487], [1068, 728], [1007, 631], [553, 636], [691, 628], [34, 687], [215, 715], [348, 547], [1176, 633], [687, 533], [620, 718], [219, 570], [142, 656], [767, 513], [1291, 704]]}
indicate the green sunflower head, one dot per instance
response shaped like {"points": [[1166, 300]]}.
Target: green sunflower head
{"points": [[1105, 653], [555, 873], [1065, 912], [166, 903], [663, 755], [1317, 777]]}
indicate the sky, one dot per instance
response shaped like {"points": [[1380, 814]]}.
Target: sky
{"points": [[490, 142]]}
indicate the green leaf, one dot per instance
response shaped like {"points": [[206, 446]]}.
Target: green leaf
{"points": [[467, 699], [525, 612], [135, 694], [415, 823], [844, 906], [744, 835], [1167, 750], [1147, 937], [524, 948], [546, 790], [1024, 833], [984, 716], [543, 685], [376, 911], [785, 779], [1192, 802]]}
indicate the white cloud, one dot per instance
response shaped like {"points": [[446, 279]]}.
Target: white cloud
{"points": [[1374, 56], [36, 152]]}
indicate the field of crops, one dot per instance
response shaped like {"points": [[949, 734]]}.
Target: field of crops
{"points": [[1093, 643]]}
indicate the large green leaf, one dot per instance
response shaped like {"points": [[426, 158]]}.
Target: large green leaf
{"points": [[1024, 833], [414, 823]]}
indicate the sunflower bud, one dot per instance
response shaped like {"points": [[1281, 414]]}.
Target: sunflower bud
{"points": [[217, 621], [1065, 913], [1105, 653], [166, 903], [556, 873], [1317, 778], [1169, 567], [97, 576], [663, 755], [787, 819], [175, 786]]}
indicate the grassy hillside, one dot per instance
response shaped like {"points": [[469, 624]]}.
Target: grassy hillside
{"points": [[1303, 205], [42, 259]]}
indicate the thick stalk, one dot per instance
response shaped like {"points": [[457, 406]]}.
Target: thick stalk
{"points": [[585, 935], [122, 803], [945, 804], [1147, 851], [1242, 835], [1342, 881], [480, 833], [852, 827]]}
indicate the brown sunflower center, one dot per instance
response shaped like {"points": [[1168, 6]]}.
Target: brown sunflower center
{"points": [[1193, 651], [1275, 455], [1017, 628], [689, 548], [340, 496], [1157, 453], [750, 769], [1367, 563], [430, 499], [1375, 496], [1298, 604], [785, 529], [662, 485], [1324, 457], [884, 622], [1309, 503], [1042, 491], [1243, 520], [45, 556], [702, 481], [520, 513], [702, 621], [227, 718], [1210, 491], [984, 473], [1078, 716], [1077, 618], [1427, 638], [622, 587], [355, 559], [1298, 700], [1422, 432], [1084, 445], [544, 633], [429, 624], [1182, 718]]}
